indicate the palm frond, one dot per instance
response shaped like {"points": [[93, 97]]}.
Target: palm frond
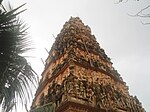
{"points": [[1, 1], [16, 75]]}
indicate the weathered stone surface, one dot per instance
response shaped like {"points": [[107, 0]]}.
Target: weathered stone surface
{"points": [[79, 76]]}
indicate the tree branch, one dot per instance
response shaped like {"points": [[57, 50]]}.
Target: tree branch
{"points": [[119, 1], [141, 13]]}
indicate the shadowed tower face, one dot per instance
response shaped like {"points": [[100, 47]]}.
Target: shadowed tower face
{"points": [[79, 76]]}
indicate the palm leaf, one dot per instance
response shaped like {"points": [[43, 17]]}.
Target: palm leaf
{"points": [[16, 75]]}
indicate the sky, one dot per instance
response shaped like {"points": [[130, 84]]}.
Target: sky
{"points": [[125, 40]]}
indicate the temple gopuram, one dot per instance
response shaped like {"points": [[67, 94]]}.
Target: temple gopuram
{"points": [[79, 76]]}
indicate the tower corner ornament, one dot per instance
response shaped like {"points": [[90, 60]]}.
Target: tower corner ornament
{"points": [[79, 76]]}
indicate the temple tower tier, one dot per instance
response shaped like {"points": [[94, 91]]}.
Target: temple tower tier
{"points": [[79, 76]]}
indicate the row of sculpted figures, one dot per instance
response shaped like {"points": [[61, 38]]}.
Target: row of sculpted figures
{"points": [[102, 96]]}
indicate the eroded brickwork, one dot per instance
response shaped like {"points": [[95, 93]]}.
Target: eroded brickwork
{"points": [[79, 76]]}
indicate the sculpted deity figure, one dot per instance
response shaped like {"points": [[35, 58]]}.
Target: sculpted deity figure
{"points": [[82, 90]]}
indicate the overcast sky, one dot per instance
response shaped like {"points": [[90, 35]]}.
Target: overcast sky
{"points": [[125, 40]]}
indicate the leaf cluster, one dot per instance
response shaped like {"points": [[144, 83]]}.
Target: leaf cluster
{"points": [[16, 74]]}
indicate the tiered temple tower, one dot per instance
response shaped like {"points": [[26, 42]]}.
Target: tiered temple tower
{"points": [[79, 76]]}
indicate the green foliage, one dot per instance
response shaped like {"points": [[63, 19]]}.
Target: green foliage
{"points": [[16, 75]]}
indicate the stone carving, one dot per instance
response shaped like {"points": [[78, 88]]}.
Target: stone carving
{"points": [[90, 78]]}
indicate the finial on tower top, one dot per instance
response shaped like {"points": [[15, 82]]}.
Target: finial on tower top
{"points": [[75, 19]]}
